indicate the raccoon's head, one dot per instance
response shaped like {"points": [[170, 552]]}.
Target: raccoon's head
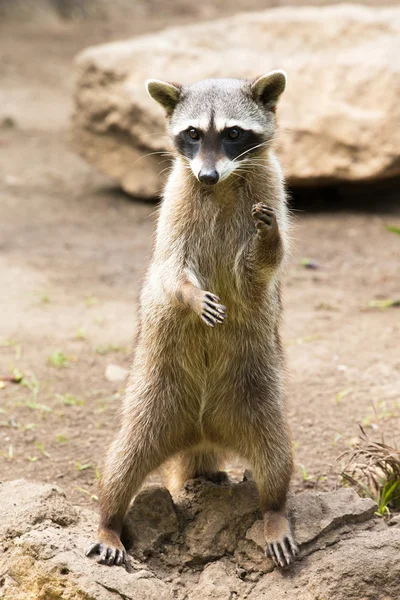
{"points": [[217, 124]]}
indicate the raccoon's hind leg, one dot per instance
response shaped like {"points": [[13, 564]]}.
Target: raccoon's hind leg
{"points": [[156, 423], [195, 462], [255, 427], [271, 462]]}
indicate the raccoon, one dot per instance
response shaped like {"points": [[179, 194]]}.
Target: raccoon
{"points": [[208, 374]]}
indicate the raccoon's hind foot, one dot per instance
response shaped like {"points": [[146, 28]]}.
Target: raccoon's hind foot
{"points": [[107, 555], [281, 545], [211, 311], [265, 219], [109, 549]]}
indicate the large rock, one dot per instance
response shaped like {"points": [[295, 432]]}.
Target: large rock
{"points": [[345, 553], [363, 568], [25, 506], [339, 117]]}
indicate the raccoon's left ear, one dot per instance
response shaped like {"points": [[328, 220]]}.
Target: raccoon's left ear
{"points": [[268, 88], [166, 94]]}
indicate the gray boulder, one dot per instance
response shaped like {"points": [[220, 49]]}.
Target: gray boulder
{"points": [[339, 116], [206, 543]]}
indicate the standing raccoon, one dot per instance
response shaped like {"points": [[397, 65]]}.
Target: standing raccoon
{"points": [[208, 375]]}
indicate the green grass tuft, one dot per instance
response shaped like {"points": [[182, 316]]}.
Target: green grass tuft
{"points": [[373, 468], [59, 360], [70, 399], [393, 229]]}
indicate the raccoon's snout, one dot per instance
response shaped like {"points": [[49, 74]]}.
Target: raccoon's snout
{"points": [[209, 177]]}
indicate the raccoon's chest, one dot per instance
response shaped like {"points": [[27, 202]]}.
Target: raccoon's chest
{"points": [[221, 239]]}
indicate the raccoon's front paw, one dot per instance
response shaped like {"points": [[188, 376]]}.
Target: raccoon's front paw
{"points": [[265, 220], [211, 311]]}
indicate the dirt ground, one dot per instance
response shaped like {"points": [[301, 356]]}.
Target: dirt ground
{"points": [[73, 251]]}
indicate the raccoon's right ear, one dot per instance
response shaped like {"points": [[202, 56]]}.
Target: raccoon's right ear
{"points": [[267, 88], [166, 94]]}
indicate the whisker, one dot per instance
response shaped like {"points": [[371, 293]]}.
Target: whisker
{"points": [[251, 149], [146, 155], [166, 169], [156, 133], [263, 166], [236, 174], [165, 160], [253, 168]]}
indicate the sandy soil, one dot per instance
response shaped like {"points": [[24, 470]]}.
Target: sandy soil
{"points": [[73, 251]]}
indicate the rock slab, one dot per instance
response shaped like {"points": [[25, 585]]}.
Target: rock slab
{"points": [[346, 553], [339, 116]]}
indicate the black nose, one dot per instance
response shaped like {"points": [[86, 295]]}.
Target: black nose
{"points": [[208, 177]]}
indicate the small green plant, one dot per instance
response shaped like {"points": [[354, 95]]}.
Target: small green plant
{"points": [[80, 333], [336, 438], [326, 306], [311, 481], [373, 468], [83, 467], [61, 439], [389, 495], [70, 399], [40, 447], [307, 263], [37, 406], [304, 474], [58, 360], [91, 496], [45, 298], [32, 458], [107, 348], [340, 395], [393, 229], [33, 386], [18, 377], [91, 301], [382, 304], [380, 411], [42, 296]]}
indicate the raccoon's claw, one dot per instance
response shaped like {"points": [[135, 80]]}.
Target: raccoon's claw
{"points": [[283, 552], [264, 217], [281, 545], [212, 312], [107, 555]]}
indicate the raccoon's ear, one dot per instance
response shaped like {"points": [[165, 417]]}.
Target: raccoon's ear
{"points": [[268, 88], [166, 94]]}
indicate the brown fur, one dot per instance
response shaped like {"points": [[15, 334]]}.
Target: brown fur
{"points": [[196, 392]]}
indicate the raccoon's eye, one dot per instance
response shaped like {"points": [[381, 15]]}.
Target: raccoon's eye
{"points": [[233, 133], [193, 133]]}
